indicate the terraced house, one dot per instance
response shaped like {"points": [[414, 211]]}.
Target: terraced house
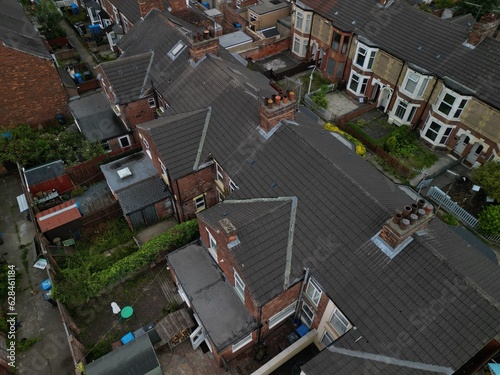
{"points": [[440, 76], [293, 224]]}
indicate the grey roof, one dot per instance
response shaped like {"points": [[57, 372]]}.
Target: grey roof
{"points": [[270, 32], [222, 313], [179, 140], [346, 362], [342, 203], [129, 8], [442, 49], [96, 120], [139, 165], [17, 32], [142, 194], [268, 6], [137, 357], [466, 20], [262, 226], [129, 76], [234, 39], [44, 172]]}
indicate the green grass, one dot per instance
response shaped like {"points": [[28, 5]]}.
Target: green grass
{"points": [[25, 344], [105, 237]]}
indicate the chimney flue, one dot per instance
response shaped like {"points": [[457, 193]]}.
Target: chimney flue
{"points": [[485, 27]]}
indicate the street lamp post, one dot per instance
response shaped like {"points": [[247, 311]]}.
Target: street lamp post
{"points": [[310, 79]]}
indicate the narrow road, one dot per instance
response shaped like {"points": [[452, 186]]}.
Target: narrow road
{"points": [[50, 355], [85, 55]]}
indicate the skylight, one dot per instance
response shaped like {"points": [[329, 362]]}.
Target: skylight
{"points": [[176, 50]]}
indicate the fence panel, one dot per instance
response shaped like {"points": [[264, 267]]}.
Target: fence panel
{"points": [[451, 206]]}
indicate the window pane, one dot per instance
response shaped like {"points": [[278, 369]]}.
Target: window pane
{"points": [[345, 43], [413, 110], [401, 110], [296, 46], [433, 130], [308, 22], [339, 70], [372, 59], [353, 85], [446, 104], [339, 322], [327, 339], [422, 88], [445, 136], [363, 86], [330, 65], [411, 82], [336, 41], [298, 22], [360, 58]]}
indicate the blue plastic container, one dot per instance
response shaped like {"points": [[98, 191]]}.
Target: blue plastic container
{"points": [[78, 78], [127, 338], [46, 285], [94, 29], [206, 4], [75, 8]]}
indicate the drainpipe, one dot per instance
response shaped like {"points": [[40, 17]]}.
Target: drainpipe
{"points": [[180, 204], [259, 332], [306, 276], [170, 188], [347, 54], [310, 35], [417, 124]]}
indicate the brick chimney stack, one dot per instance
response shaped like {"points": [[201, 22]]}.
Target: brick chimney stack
{"points": [[145, 6], [229, 230], [277, 109], [484, 28], [403, 225], [177, 5], [203, 44]]}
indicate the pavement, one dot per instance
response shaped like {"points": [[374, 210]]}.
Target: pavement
{"points": [[39, 320], [85, 55], [155, 230]]}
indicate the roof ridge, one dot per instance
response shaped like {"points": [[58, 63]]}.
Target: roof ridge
{"points": [[202, 139], [147, 73]]}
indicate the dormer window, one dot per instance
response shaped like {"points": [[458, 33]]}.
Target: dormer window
{"points": [[365, 56], [415, 84], [450, 104]]}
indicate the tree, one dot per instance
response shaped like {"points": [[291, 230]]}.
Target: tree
{"points": [[478, 8], [48, 16], [488, 177], [29, 146], [489, 220]]}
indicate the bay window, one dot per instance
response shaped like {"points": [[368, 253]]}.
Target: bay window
{"points": [[357, 83], [365, 56], [415, 84], [450, 104], [436, 132]]}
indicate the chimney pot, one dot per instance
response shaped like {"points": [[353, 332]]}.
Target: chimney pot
{"points": [[206, 34], [428, 209], [199, 36], [277, 100], [406, 211], [291, 96], [421, 203], [414, 208], [420, 213], [285, 99], [397, 218], [413, 218], [270, 103], [404, 224]]}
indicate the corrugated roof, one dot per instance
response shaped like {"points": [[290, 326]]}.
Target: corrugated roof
{"points": [[59, 215]]}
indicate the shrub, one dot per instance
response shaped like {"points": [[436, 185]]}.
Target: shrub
{"points": [[489, 220], [360, 147], [391, 144], [89, 280], [450, 219], [488, 176]]}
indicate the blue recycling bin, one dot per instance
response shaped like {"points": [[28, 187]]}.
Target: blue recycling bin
{"points": [[127, 338], [46, 285], [78, 78]]}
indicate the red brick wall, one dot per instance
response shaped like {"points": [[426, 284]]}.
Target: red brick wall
{"points": [[269, 118], [189, 187], [32, 91], [319, 310], [138, 112], [228, 352], [145, 6], [276, 305], [267, 49], [199, 49], [162, 211], [233, 16]]}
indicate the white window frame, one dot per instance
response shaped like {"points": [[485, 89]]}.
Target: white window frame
{"points": [[296, 45], [239, 286], [282, 315], [240, 344], [238, 4], [212, 248], [309, 314], [442, 135], [328, 336], [162, 167], [369, 56], [200, 207], [252, 16], [408, 113], [128, 140], [299, 16], [152, 102], [421, 81], [456, 108], [313, 291], [362, 82], [232, 185], [219, 174], [337, 316], [308, 23]]}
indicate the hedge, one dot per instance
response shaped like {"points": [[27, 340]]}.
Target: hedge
{"points": [[173, 238]]}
